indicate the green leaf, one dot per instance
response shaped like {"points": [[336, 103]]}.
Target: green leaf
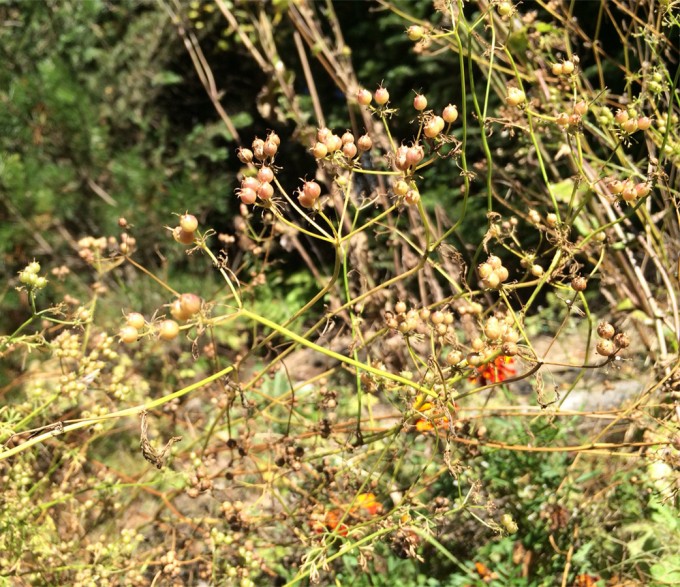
{"points": [[166, 78]]}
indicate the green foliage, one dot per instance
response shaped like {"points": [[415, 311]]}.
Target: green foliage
{"points": [[360, 374]]}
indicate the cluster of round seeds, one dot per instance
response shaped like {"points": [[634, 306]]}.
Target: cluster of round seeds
{"points": [[199, 482], [184, 233], [185, 307], [492, 272], [262, 154], [564, 68], [30, 278], [408, 191], [235, 515], [499, 331], [407, 158], [330, 145], [67, 345], [433, 126], [291, 457], [630, 122], [127, 244], [407, 321], [308, 194], [403, 320], [572, 120], [259, 186], [440, 321], [627, 189], [611, 342], [90, 248], [529, 263], [171, 566]]}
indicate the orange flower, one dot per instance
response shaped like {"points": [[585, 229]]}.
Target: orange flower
{"points": [[331, 523], [500, 369], [434, 420], [486, 574], [368, 503], [585, 580]]}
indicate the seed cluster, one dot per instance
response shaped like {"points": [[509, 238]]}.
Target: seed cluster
{"points": [[611, 341], [492, 272], [185, 307], [627, 189], [259, 187]]}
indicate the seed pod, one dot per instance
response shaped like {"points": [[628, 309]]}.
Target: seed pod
{"points": [[188, 222], [248, 196], [265, 174], [190, 303], [562, 119], [450, 114], [258, 149], [494, 261], [454, 357], [420, 102], [622, 340], [244, 155], [644, 122], [605, 348], [415, 32], [319, 150], [270, 148], [492, 328], [364, 97], [365, 143], [381, 96], [437, 317], [265, 191], [400, 188], [182, 236], [567, 67], [579, 283], [509, 524], [492, 282], [168, 330], [136, 320], [605, 330], [515, 97], [580, 108], [349, 150]]}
